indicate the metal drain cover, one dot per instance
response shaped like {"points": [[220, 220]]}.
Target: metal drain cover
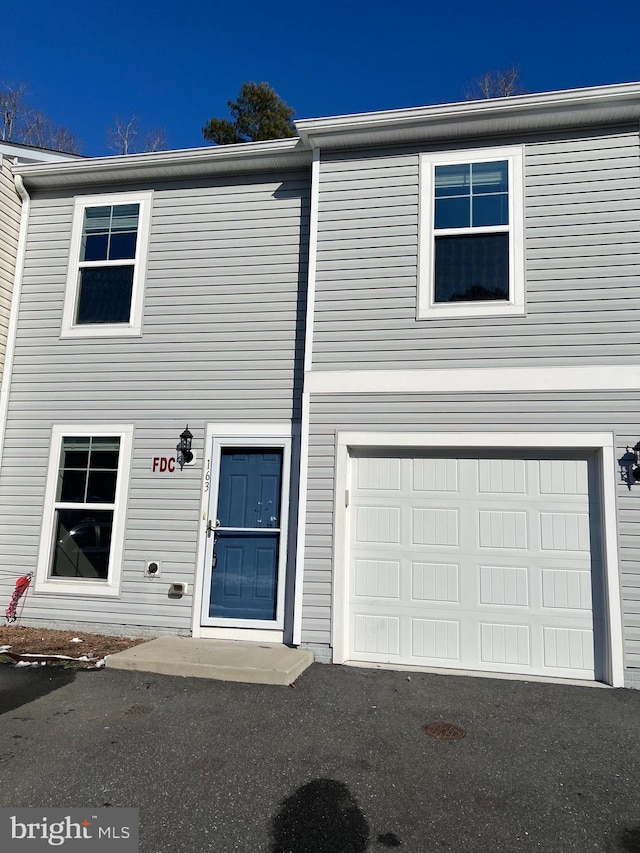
{"points": [[444, 731]]}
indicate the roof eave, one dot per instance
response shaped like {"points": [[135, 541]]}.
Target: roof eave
{"points": [[616, 104], [169, 165]]}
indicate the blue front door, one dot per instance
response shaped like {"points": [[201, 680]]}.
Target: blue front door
{"points": [[244, 575]]}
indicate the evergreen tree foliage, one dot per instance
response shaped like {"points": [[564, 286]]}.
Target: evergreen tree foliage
{"points": [[259, 113]]}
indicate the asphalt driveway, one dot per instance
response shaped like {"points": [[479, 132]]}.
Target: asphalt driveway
{"points": [[338, 764]]}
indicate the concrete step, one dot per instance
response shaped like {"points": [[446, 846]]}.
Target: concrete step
{"points": [[225, 660]]}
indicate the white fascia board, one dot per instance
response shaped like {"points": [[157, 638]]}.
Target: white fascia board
{"points": [[594, 377], [167, 165], [517, 113]]}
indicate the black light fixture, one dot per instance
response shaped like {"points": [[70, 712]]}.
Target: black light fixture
{"points": [[630, 465], [635, 468], [184, 448]]}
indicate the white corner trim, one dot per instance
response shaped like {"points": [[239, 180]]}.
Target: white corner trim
{"points": [[313, 254], [593, 377], [12, 329], [612, 576], [302, 520], [603, 442]]}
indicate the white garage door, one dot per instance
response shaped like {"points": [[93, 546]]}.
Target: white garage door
{"points": [[472, 563]]}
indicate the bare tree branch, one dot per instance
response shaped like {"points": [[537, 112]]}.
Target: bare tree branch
{"points": [[22, 123], [502, 83], [121, 135], [12, 106], [155, 140]]}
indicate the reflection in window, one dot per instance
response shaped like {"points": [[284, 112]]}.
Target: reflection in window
{"points": [[107, 262], [84, 509], [471, 232]]}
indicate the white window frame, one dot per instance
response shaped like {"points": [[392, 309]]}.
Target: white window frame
{"points": [[95, 330], [63, 586], [428, 309]]}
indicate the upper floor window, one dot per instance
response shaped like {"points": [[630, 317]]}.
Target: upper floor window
{"points": [[106, 270], [471, 242]]}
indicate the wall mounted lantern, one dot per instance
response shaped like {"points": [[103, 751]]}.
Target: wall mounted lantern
{"points": [[630, 465], [183, 448]]}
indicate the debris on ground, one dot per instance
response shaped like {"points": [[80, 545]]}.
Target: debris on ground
{"points": [[24, 646]]}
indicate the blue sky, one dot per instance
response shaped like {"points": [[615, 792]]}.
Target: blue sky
{"points": [[176, 64]]}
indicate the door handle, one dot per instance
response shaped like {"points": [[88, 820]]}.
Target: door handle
{"points": [[211, 528]]}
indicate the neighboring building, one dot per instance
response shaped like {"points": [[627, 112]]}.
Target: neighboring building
{"points": [[406, 347], [12, 154]]}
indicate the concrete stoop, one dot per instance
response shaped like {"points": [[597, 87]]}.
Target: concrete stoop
{"points": [[225, 660]]}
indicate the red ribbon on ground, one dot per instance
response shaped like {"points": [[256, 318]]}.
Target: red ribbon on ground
{"points": [[22, 585]]}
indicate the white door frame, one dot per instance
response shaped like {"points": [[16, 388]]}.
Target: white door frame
{"points": [[219, 436], [602, 442]]}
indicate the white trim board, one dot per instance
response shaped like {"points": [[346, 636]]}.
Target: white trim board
{"points": [[602, 442], [230, 434], [594, 377]]}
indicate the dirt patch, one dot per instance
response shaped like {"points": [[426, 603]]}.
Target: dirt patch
{"points": [[46, 641]]}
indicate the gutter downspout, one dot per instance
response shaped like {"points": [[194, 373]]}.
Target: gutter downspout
{"points": [[13, 318]]}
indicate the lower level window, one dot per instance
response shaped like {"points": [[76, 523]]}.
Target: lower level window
{"points": [[84, 507]]}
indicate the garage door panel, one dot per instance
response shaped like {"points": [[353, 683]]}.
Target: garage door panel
{"points": [[472, 563], [501, 476], [431, 581], [568, 589], [568, 648], [500, 585], [505, 643], [435, 639], [563, 477], [377, 578], [564, 531], [501, 529], [435, 475]]}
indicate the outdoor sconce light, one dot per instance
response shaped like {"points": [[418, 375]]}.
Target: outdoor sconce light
{"points": [[184, 448], [630, 465]]}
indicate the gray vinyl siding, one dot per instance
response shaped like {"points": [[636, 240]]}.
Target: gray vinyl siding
{"points": [[506, 412], [222, 341], [9, 231], [582, 252]]}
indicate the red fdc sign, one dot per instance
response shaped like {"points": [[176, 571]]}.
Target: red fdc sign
{"points": [[163, 465]]}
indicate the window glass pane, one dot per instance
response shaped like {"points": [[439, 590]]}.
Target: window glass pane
{"points": [[490, 177], [490, 210], [94, 247], [72, 486], [104, 460], [453, 180], [125, 217], [75, 452], [102, 487], [453, 212], [472, 268], [105, 295], [82, 543], [122, 246], [97, 220]]}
